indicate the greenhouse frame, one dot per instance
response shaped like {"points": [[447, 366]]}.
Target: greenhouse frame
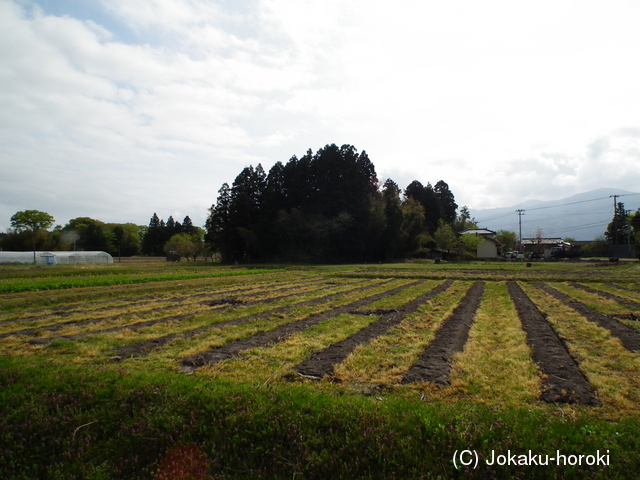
{"points": [[55, 258]]}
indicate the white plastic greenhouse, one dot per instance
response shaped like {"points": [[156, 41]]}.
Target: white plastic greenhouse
{"points": [[55, 258]]}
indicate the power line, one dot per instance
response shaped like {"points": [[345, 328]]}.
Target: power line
{"points": [[583, 201], [566, 204], [560, 205], [567, 214], [496, 218], [583, 227]]}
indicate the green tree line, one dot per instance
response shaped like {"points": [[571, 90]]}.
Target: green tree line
{"points": [[159, 233], [31, 230], [326, 206]]}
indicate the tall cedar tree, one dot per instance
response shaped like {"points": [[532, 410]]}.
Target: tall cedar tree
{"points": [[619, 231]]}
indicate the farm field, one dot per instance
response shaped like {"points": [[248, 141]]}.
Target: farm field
{"points": [[152, 370]]}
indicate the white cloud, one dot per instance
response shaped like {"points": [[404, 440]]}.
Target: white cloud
{"points": [[501, 100]]}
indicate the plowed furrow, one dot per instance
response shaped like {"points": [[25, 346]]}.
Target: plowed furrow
{"points": [[222, 297], [629, 337], [321, 363], [620, 287], [562, 380], [434, 365], [221, 304], [93, 321], [262, 339], [607, 295], [142, 348]]}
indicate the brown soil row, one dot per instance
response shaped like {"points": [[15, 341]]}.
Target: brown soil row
{"points": [[434, 365], [620, 287], [219, 302], [70, 310], [262, 339], [133, 327], [95, 320], [78, 298], [607, 295], [322, 362], [142, 348], [562, 380], [629, 337]]}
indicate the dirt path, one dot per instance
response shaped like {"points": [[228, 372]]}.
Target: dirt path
{"points": [[434, 364], [142, 348], [262, 339], [607, 295], [629, 337], [321, 363], [562, 380]]}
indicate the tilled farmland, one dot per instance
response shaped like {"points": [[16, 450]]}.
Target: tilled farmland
{"points": [[581, 340], [151, 370]]}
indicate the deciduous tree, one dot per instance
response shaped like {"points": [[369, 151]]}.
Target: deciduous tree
{"points": [[507, 238], [445, 237], [33, 220], [470, 243]]}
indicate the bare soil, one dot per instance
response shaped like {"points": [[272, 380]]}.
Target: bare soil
{"points": [[177, 300], [434, 364], [220, 303], [620, 287], [262, 339], [322, 362], [562, 380], [607, 295], [630, 337], [142, 348]]}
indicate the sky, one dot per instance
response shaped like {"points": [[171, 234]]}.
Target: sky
{"points": [[114, 110]]}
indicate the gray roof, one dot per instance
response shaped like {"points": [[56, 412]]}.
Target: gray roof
{"points": [[478, 231], [542, 241]]}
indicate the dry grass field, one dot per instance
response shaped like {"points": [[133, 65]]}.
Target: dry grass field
{"points": [[562, 339], [257, 327]]}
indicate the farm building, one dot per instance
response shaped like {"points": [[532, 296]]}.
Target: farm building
{"points": [[542, 246], [490, 247], [55, 258]]}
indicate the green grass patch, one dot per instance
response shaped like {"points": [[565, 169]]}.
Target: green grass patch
{"points": [[97, 423], [38, 284], [69, 410]]}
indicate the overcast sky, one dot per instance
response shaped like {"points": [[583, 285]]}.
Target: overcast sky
{"points": [[116, 109]]}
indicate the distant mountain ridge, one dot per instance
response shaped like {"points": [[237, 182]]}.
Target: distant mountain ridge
{"points": [[584, 216]]}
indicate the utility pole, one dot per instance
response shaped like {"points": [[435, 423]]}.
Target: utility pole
{"points": [[615, 223], [520, 213]]}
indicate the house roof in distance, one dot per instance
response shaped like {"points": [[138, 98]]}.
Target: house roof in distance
{"points": [[542, 241], [478, 231]]}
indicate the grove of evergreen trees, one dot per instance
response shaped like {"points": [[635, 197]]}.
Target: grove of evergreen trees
{"points": [[325, 207], [158, 234]]}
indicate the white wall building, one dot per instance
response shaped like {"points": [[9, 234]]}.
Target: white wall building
{"points": [[490, 247]]}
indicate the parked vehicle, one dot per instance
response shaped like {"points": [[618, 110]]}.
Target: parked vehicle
{"points": [[565, 250]]}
